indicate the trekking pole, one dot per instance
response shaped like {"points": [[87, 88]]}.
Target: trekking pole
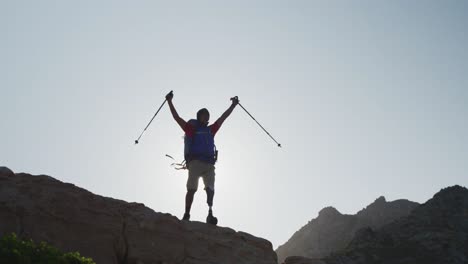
{"points": [[236, 98], [136, 141]]}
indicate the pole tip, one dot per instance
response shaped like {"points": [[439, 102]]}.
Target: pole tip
{"points": [[279, 145], [136, 142]]}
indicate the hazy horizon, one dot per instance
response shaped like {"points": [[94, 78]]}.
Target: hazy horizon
{"points": [[367, 99]]}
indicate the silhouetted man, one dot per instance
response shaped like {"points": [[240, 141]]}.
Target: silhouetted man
{"points": [[200, 153]]}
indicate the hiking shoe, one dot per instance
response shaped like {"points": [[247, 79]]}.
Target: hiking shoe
{"points": [[210, 219], [186, 217]]}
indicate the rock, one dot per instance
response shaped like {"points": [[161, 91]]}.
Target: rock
{"points": [[302, 260], [332, 231], [6, 172], [329, 212], [114, 231], [435, 232]]}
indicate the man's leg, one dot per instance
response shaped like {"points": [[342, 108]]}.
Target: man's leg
{"points": [[192, 186], [188, 203]]}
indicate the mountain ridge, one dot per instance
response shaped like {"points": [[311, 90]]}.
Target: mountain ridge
{"points": [[332, 230], [434, 232]]}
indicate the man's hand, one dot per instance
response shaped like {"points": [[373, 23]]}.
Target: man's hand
{"points": [[169, 96], [235, 100], [174, 113]]}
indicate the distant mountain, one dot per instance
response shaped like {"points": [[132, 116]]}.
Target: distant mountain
{"points": [[332, 231], [434, 233]]}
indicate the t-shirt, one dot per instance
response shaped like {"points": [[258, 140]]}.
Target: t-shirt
{"points": [[190, 129]]}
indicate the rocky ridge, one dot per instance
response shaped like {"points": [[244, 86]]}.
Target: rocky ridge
{"points": [[114, 231], [434, 232], [332, 231]]}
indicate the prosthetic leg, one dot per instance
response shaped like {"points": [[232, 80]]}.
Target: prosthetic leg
{"points": [[210, 219]]}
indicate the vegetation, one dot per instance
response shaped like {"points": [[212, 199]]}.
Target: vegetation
{"points": [[13, 250]]}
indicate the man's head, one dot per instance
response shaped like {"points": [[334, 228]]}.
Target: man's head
{"points": [[203, 116]]}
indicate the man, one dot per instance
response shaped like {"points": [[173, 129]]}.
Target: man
{"points": [[201, 155]]}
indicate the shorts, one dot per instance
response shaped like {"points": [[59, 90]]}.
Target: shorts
{"points": [[197, 169]]}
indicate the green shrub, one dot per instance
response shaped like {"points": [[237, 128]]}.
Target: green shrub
{"points": [[16, 251]]}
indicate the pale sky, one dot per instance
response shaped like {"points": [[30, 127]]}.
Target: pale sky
{"points": [[368, 98]]}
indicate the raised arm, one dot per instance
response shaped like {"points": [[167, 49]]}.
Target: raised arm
{"points": [[176, 116], [227, 113]]}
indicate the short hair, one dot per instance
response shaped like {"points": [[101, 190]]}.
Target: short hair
{"points": [[201, 112]]}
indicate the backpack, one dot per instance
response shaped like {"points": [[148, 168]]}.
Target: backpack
{"points": [[201, 146]]}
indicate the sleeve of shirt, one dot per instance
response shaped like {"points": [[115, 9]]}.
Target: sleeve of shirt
{"points": [[214, 128], [189, 130]]}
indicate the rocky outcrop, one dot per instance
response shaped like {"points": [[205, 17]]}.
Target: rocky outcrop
{"points": [[435, 232], [332, 231], [114, 231], [302, 260]]}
